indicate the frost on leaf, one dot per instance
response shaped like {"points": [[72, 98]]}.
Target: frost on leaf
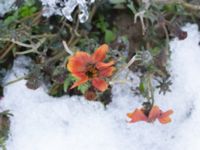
{"points": [[66, 8]]}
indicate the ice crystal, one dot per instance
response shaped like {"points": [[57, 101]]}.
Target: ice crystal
{"points": [[66, 8]]}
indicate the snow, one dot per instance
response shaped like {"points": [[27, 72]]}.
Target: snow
{"points": [[55, 7], [5, 6], [41, 122], [66, 7]]}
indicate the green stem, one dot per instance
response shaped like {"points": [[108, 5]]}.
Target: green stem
{"points": [[27, 52], [151, 90], [16, 80]]}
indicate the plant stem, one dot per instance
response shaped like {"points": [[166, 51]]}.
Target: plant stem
{"points": [[16, 80], [126, 66], [190, 6], [6, 51], [67, 48], [16, 42], [27, 52]]}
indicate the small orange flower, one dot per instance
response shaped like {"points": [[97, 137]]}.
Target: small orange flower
{"points": [[87, 67], [155, 113]]}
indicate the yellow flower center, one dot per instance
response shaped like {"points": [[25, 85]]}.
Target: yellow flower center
{"points": [[92, 71]]}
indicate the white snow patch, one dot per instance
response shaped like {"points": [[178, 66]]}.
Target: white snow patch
{"points": [[66, 7], [41, 122], [6, 6]]}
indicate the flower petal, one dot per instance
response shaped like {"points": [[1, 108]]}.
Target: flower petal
{"points": [[79, 75], [164, 118], [106, 72], [100, 53], [101, 65], [136, 116], [100, 84], [81, 81], [154, 113], [77, 63]]}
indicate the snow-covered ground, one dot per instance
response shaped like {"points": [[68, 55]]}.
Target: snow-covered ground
{"points": [[41, 122]]}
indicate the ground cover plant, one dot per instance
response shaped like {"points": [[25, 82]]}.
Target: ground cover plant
{"points": [[84, 50]]}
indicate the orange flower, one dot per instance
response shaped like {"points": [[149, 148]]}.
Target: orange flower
{"points": [[87, 67], [155, 113]]}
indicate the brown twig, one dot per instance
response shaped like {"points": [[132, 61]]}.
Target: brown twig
{"points": [[6, 51], [190, 6]]}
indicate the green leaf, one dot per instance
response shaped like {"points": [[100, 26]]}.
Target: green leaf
{"points": [[11, 19], [117, 1], [141, 87], [27, 11], [68, 81], [83, 87], [154, 51], [110, 36], [66, 84], [101, 24], [150, 16], [131, 7]]}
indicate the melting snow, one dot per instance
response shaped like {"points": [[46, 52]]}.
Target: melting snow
{"points": [[41, 122]]}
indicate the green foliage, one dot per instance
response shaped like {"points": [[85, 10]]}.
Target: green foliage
{"points": [[4, 127], [2, 143], [154, 51], [26, 26], [83, 88], [109, 33], [102, 24], [117, 1], [56, 90], [110, 36], [11, 18], [70, 80], [145, 86], [142, 87], [27, 9], [174, 8], [131, 6]]}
